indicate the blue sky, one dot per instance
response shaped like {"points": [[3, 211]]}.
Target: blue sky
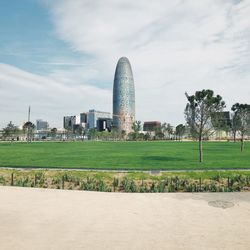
{"points": [[59, 56], [28, 39]]}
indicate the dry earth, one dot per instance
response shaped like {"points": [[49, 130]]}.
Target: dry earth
{"points": [[58, 219]]}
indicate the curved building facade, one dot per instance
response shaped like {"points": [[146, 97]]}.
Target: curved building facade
{"points": [[123, 96]]}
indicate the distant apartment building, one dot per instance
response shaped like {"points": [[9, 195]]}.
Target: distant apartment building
{"points": [[99, 120], [41, 125], [69, 122], [94, 115], [104, 124], [151, 126], [83, 119], [83, 122]]}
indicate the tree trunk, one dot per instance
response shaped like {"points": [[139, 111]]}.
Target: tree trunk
{"points": [[234, 135], [242, 143], [200, 149]]}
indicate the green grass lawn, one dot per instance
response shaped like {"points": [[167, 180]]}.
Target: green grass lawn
{"points": [[125, 155]]}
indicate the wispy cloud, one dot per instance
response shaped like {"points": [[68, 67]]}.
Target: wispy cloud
{"points": [[173, 46], [190, 44], [50, 99]]}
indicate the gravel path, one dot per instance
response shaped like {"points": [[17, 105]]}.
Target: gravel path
{"points": [[59, 219]]}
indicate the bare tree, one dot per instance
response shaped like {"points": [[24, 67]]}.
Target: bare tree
{"points": [[198, 113], [242, 117]]}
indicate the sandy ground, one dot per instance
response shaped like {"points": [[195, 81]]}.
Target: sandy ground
{"points": [[56, 219]]}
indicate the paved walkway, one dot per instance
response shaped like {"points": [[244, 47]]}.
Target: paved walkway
{"points": [[59, 219]]}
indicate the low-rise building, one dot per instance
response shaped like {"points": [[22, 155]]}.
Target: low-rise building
{"points": [[94, 115], [149, 126], [69, 122], [104, 124], [41, 125]]}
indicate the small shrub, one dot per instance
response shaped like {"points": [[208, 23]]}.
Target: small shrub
{"points": [[2, 180], [115, 183]]}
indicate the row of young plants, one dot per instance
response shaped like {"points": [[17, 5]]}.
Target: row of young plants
{"points": [[215, 183]]}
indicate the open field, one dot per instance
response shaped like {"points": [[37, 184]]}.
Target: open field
{"points": [[161, 155], [60, 219]]}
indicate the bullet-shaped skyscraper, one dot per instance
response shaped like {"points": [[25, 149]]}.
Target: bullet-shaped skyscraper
{"points": [[123, 96]]}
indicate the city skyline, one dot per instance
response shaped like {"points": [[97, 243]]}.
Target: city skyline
{"points": [[59, 56]]}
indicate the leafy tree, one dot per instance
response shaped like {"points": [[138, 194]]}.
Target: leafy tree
{"points": [[67, 133], [221, 121], [10, 131], [147, 136], [242, 116], [198, 113], [92, 134], [235, 125], [104, 135], [137, 128], [53, 132], [158, 133], [80, 130], [141, 136], [164, 128], [180, 130], [114, 133], [29, 128], [131, 136], [169, 129]]}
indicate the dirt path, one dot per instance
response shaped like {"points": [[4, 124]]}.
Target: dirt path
{"points": [[58, 219]]}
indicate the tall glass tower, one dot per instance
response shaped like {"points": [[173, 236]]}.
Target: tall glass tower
{"points": [[123, 96]]}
